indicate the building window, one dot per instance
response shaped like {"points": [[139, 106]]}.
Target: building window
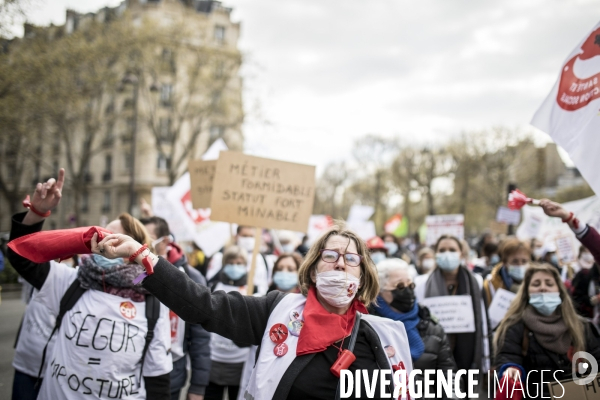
{"points": [[128, 161], [85, 202], [164, 130], [107, 176], [219, 33], [219, 69], [166, 94], [106, 204], [163, 163]]}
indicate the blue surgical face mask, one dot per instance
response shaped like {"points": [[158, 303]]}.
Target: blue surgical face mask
{"points": [[235, 272], [517, 272], [285, 280], [106, 263], [554, 259], [494, 259], [448, 260], [391, 247], [545, 303], [377, 257]]}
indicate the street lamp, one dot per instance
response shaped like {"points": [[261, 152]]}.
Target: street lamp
{"points": [[132, 79]]}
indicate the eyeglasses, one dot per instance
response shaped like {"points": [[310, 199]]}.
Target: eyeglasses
{"points": [[350, 259]]}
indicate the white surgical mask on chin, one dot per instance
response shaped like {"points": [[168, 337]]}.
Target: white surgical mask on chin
{"points": [[246, 243], [337, 288]]}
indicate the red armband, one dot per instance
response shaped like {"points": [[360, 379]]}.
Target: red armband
{"points": [[571, 215], [137, 253], [27, 204]]}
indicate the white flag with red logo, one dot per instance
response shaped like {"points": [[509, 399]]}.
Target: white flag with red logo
{"points": [[570, 112]]}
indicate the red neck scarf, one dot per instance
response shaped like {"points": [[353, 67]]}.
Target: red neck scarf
{"points": [[321, 328]]}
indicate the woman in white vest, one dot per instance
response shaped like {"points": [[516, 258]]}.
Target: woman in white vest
{"points": [[227, 357], [301, 335], [100, 348]]}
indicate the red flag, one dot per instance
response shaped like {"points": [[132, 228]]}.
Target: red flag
{"points": [[60, 244]]}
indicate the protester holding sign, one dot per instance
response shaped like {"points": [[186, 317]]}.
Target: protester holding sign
{"points": [[452, 278], [586, 283], [509, 274], [245, 239], [541, 331], [301, 335], [429, 346], [107, 345]]}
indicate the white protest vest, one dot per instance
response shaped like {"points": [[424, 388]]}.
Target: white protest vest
{"points": [[269, 368], [223, 349]]}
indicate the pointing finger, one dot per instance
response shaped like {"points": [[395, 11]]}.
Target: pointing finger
{"points": [[61, 179]]}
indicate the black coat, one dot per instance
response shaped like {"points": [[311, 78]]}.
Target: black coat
{"points": [[437, 354], [232, 315], [537, 358]]}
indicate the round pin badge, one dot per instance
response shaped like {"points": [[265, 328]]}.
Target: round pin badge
{"points": [[389, 350], [280, 350], [278, 333], [295, 327], [294, 315]]}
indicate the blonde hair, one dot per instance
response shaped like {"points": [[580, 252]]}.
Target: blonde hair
{"points": [[369, 282], [233, 252], [134, 228], [518, 306]]}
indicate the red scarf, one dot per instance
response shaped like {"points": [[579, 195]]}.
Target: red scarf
{"points": [[321, 328]]}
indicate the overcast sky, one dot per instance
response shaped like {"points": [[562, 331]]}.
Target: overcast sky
{"points": [[327, 72]]}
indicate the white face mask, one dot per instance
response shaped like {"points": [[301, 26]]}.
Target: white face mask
{"points": [[246, 243], [428, 264], [337, 288]]}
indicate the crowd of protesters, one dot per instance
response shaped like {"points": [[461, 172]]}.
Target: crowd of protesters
{"points": [[194, 326]]}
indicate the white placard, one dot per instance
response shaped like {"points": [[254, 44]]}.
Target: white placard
{"points": [[565, 246], [499, 307], [365, 230], [359, 213], [508, 216], [455, 313], [438, 225]]}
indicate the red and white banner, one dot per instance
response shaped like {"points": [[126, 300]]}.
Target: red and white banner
{"points": [[174, 204], [570, 112]]}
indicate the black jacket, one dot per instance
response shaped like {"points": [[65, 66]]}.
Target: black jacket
{"points": [[537, 358], [157, 387], [580, 288], [240, 318], [196, 342]]}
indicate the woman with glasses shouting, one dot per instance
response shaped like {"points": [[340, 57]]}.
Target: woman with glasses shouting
{"points": [[429, 346], [306, 339]]}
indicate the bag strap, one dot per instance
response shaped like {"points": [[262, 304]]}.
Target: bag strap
{"points": [[152, 315], [351, 344], [71, 296]]}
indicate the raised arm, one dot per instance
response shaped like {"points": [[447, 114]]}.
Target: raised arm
{"points": [[587, 235], [242, 319], [45, 198]]}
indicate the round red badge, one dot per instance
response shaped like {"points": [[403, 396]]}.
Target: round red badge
{"points": [[278, 333], [280, 350]]}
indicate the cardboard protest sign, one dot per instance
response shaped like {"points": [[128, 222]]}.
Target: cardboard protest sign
{"points": [[261, 192], [438, 225], [568, 389], [455, 313], [202, 174], [499, 306]]}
